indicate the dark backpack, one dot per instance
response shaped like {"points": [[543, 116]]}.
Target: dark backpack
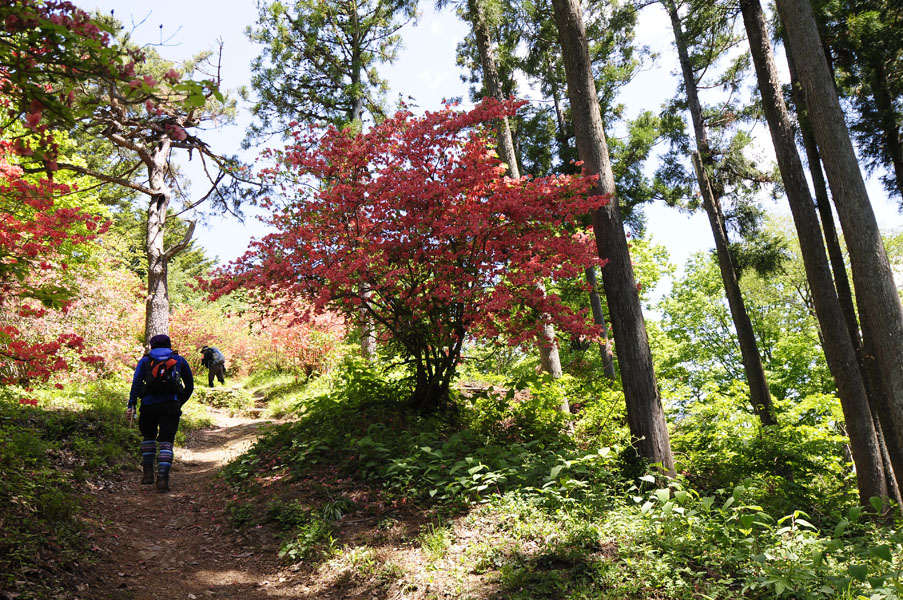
{"points": [[162, 377]]}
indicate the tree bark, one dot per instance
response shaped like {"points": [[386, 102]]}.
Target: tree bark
{"points": [[759, 394], [157, 301], [368, 335], [876, 294], [595, 302], [869, 370], [837, 346], [158, 257], [884, 103], [645, 415]]}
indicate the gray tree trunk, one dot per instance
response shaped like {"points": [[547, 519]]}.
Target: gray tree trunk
{"points": [[595, 302], [645, 415], [368, 335], [879, 304], [759, 394], [838, 346], [157, 301]]}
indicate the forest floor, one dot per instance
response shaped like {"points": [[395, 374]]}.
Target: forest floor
{"points": [[177, 544], [180, 545]]}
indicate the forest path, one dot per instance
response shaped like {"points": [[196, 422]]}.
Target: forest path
{"points": [[175, 545]]}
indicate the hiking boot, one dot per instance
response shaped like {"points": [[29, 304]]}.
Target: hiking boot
{"points": [[163, 483], [148, 475]]}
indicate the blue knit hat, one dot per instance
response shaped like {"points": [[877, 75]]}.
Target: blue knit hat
{"points": [[160, 341]]}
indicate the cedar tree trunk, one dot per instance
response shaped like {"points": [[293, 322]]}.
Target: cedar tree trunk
{"points": [[838, 347], [876, 294], [759, 394], [548, 345], [645, 415]]}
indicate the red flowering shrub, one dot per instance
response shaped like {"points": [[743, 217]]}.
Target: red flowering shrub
{"points": [[417, 211]]}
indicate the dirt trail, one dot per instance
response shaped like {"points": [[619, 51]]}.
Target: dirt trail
{"points": [[176, 545]]}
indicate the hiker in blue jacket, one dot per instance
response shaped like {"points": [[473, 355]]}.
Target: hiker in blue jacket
{"points": [[163, 381]]}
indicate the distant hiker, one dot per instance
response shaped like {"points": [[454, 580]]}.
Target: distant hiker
{"points": [[163, 381], [215, 362]]}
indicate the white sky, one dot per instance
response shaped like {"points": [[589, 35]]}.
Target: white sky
{"points": [[425, 71]]}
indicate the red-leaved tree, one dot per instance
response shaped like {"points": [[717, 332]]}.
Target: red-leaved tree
{"points": [[44, 49], [418, 211]]}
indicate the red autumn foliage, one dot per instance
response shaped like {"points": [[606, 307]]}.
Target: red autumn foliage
{"points": [[418, 210], [44, 45]]}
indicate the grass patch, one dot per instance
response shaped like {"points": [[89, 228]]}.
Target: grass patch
{"points": [[46, 452]]}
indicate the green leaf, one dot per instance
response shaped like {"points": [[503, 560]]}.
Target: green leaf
{"points": [[728, 503], [433, 492], [805, 523], [876, 503], [840, 528], [882, 551], [195, 101], [648, 478], [817, 556], [859, 572], [746, 521], [646, 507], [854, 513], [555, 471], [663, 494], [876, 582], [707, 502]]}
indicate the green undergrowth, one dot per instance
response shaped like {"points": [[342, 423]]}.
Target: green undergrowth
{"points": [[283, 393], [558, 508], [47, 452], [235, 399]]}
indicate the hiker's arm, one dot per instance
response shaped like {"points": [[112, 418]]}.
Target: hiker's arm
{"points": [[187, 379], [137, 380]]}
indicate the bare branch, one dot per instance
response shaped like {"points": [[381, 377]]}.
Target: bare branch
{"points": [[108, 178], [183, 243]]}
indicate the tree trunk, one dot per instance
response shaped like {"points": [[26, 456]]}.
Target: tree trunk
{"points": [[433, 375], [548, 346], [884, 103], [158, 257], [645, 415], [870, 374], [493, 82], [595, 302], [368, 336], [876, 294], [157, 301], [759, 394], [837, 346]]}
